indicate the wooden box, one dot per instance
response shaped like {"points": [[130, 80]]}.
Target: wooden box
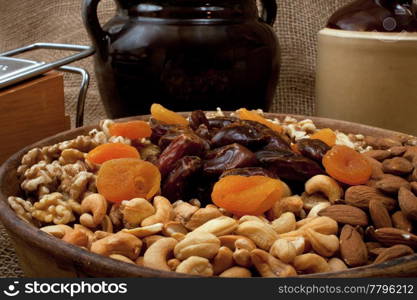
{"points": [[31, 111]]}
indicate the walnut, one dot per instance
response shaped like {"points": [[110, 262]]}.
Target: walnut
{"points": [[53, 208], [104, 125], [120, 139], [32, 185], [22, 208], [32, 157], [71, 156], [99, 137], [80, 184], [116, 215], [83, 143], [51, 152]]}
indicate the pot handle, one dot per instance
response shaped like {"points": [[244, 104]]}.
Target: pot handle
{"points": [[269, 11], [91, 22]]}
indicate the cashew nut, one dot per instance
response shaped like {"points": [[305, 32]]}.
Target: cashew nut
{"points": [[317, 208], [57, 231], [262, 234], [242, 257], [325, 245], [219, 226], [202, 216], [156, 255], [223, 260], [139, 261], [164, 212], [326, 185], [236, 272], [202, 244], [292, 204], [121, 258], [285, 223], [173, 263], [252, 218], [195, 265], [145, 231], [311, 263], [76, 237], [149, 240], [245, 243], [229, 241], [106, 224], [284, 250], [134, 211], [96, 204], [119, 243], [173, 227], [98, 235], [336, 264], [312, 200], [269, 266], [324, 225], [183, 211]]}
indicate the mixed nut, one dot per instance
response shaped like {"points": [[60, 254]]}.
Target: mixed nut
{"points": [[228, 196]]}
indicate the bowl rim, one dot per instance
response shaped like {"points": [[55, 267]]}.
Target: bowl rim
{"points": [[79, 256]]}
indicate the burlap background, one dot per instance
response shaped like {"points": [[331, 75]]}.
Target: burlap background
{"points": [[24, 22]]}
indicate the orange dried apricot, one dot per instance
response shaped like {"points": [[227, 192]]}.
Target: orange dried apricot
{"points": [[245, 114], [131, 130], [167, 116], [251, 195], [325, 135], [128, 178], [105, 152], [347, 165]]}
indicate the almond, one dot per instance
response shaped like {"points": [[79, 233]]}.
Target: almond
{"points": [[400, 221], [408, 203], [397, 166], [394, 236], [411, 154], [397, 150], [414, 186], [345, 214], [382, 143], [360, 195], [379, 214], [391, 183], [376, 167], [352, 248], [392, 253], [379, 155]]}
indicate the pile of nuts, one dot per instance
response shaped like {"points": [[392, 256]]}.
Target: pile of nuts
{"points": [[328, 227]]}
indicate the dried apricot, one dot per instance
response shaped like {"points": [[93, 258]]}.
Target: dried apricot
{"points": [[347, 165], [128, 178], [105, 152], [325, 135], [131, 130], [241, 195], [245, 114], [167, 116]]}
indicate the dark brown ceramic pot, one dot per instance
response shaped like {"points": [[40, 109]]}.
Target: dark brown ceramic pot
{"points": [[185, 54], [42, 255]]}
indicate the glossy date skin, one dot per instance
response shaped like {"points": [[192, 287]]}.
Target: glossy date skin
{"points": [[251, 171], [228, 157], [183, 145], [179, 183], [288, 165], [242, 134], [313, 149]]}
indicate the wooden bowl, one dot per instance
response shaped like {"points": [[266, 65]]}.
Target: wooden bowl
{"points": [[42, 255]]}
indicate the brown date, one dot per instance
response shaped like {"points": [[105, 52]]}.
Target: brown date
{"points": [[313, 149], [251, 171], [288, 165], [228, 157], [181, 178], [243, 134], [160, 129], [220, 122], [197, 118], [183, 145]]}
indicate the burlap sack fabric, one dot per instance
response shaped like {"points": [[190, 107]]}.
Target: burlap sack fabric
{"points": [[24, 22]]}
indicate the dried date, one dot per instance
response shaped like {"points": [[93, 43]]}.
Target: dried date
{"points": [[181, 178], [183, 145], [251, 171], [228, 157], [243, 134], [197, 118], [313, 149], [288, 165]]}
